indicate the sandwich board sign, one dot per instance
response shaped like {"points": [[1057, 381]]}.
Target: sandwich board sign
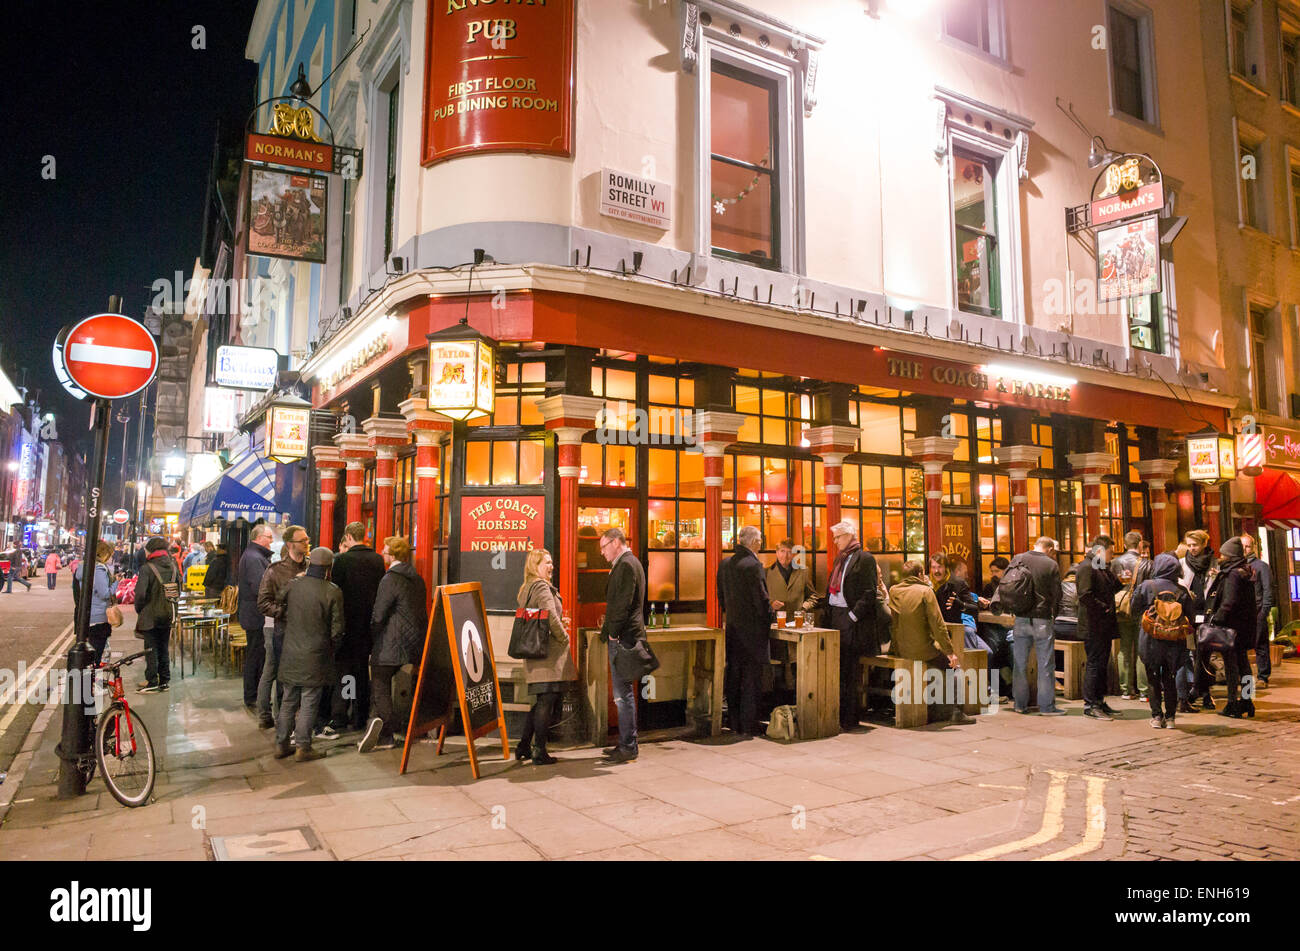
{"points": [[457, 650]]}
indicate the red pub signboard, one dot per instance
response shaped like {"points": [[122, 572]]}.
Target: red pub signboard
{"points": [[499, 78], [502, 523]]}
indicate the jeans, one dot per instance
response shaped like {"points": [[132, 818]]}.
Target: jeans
{"points": [[381, 698], [16, 574], [1132, 672], [1236, 671], [1185, 678], [297, 713], [158, 662], [98, 635], [625, 702], [50, 578], [1163, 659], [254, 661], [270, 672], [1035, 632], [537, 725], [1096, 672]]}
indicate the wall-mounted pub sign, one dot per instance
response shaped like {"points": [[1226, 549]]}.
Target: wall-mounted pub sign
{"points": [[288, 425], [1128, 187], [1211, 458]]}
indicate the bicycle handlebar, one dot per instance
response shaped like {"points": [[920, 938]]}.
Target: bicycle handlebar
{"points": [[122, 661]]}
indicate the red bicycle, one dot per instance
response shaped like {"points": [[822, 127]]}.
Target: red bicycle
{"points": [[123, 748]]}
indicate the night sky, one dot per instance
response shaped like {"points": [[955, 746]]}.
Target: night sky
{"points": [[129, 110]]}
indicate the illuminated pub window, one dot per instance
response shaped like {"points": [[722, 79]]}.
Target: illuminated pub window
{"points": [[368, 502], [404, 491], [1293, 559], [975, 230], [888, 505], [675, 525], [1041, 434], [742, 166], [519, 461], [505, 462], [994, 532]]}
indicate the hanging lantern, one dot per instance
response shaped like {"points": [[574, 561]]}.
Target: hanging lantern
{"points": [[1211, 458], [462, 372], [288, 426]]}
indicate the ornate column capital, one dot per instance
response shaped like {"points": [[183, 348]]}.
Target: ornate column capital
{"points": [[385, 432], [933, 452], [1157, 473], [833, 441], [1091, 466], [567, 411], [353, 446], [1018, 458], [419, 418], [327, 457]]}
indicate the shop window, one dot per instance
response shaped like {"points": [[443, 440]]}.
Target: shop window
{"points": [[975, 229], [994, 531], [957, 489], [977, 23], [745, 193], [881, 429], [504, 462], [1251, 178], [1041, 434], [404, 492], [1132, 62], [889, 511], [610, 465], [1112, 513], [988, 436], [1293, 561], [675, 526]]}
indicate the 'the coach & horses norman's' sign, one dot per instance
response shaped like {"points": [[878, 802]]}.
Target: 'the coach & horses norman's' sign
{"points": [[498, 78]]}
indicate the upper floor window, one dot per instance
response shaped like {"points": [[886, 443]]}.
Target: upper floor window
{"points": [[1291, 62], [390, 169], [1251, 178], [1132, 61], [978, 23], [1245, 32], [1293, 182], [1260, 357], [975, 232], [1145, 329], [745, 190]]}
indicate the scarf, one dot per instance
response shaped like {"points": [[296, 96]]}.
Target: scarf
{"points": [[786, 570], [1200, 564], [316, 571], [841, 561]]}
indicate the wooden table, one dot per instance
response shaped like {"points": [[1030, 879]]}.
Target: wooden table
{"points": [[817, 678], [704, 705]]}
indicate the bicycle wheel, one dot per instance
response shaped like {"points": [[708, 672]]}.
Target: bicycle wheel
{"points": [[125, 754]]}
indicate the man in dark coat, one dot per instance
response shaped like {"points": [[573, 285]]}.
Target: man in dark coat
{"points": [[743, 597], [853, 599], [153, 621], [1230, 603], [313, 616], [357, 573], [1263, 604], [624, 629], [252, 565], [1098, 624], [399, 622]]}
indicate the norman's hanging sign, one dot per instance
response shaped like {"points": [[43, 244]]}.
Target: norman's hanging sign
{"points": [[1129, 186]]}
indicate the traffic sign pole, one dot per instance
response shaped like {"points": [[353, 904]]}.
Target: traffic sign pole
{"points": [[76, 742]]}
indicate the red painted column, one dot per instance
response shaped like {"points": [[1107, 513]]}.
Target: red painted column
{"points": [[569, 417], [355, 451], [429, 430], [1157, 473], [1211, 499], [1090, 467], [714, 431], [1018, 460], [933, 453], [328, 467]]}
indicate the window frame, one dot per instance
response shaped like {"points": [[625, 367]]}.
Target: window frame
{"points": [[1254, 69], [997, 32], [773, 173], [1267, 401], [1007, 200], [787, 154], [1293, 193], [1146, 57], [1262, 195], [386, 77], [1288, 25]]}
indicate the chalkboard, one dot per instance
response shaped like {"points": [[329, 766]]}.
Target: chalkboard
{"points": [[458, 643]]}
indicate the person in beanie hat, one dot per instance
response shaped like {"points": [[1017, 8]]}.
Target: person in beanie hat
{"points": [[313, 631], [158, 582], [1230, 603]]}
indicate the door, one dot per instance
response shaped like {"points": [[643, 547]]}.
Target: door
{"points": [[595, 516], [958, 543]]}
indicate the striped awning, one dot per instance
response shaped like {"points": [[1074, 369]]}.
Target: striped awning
{"points": [[245, 490], [1278, 495]]}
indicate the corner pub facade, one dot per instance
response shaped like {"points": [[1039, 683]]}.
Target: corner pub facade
{"points": [[729, 286]]}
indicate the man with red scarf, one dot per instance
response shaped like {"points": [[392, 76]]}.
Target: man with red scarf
{"points": [[852, 597]]}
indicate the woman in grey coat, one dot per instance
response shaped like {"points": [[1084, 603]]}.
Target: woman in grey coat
{"points": [[546, 676]]}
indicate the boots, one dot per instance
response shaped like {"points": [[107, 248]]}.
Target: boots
{"points": [[1248, 708], [541, 757], [1232, 709], [305, 754], [523, 753], [283, 750]]}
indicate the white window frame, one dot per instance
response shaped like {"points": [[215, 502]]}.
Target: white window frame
{"points": [[1266, 402], [1262, 170], [1292, 162], [1146, 41], [997, 50], [1006, 186], [387, 75], [1255, 59], [789, 138]]}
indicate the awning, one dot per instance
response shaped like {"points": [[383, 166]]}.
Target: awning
{"points": [[245, 490], [1278, 495]]}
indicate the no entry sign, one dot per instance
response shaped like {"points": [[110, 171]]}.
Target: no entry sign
{"points": [[109, 356], [121, 516]]}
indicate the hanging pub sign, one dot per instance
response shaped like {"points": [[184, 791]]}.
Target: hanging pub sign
{"points": [[288, 425], [462, 372], [1126, 188], [1211, 458], [1128, 260], [278, 150], [286, 215], [498, 80]]}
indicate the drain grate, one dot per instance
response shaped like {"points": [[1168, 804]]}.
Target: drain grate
{"points": [[261, 845]]}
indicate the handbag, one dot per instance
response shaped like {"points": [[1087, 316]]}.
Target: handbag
{"points": [[114, 615], [530, 637], [632, 663], [1212, 637]]}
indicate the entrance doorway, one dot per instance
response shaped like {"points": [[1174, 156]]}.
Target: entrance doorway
{"points": [[595, 516]]}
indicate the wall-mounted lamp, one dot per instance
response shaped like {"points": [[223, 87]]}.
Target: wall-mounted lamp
{"points": [[397, 264]]}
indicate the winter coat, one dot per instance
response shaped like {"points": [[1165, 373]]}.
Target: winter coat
{"points": [[270, 594], [152, 608], [742, 595], [1263, 593], [218, 574], [1046, 576], [797, 594], [52, 563], [1164, 579], [313, 630], [558, 664], [1097, 589], [399, 620], [1230, 602], [919, 631], [100, 597], [252, 566], [358, 572], [624, 601]]}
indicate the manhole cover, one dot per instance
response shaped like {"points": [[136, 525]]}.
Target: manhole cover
{"points": [[260, 845]]}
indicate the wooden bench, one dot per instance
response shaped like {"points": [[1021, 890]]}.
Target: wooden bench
{"points": [[1070, 677], [905, 714]]}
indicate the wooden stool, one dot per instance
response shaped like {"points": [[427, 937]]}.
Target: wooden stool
{"points": [[905, 714]]}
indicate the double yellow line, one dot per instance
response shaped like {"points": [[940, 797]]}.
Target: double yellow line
{"points": [[1054, 824], [39, 671]]}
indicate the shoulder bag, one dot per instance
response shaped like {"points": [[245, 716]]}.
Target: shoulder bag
{"points": [[531, 635], [1212, 637]]}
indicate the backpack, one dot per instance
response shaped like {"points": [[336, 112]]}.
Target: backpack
{"points": [[1164, 620], [171, 589], [784, 724], [1015, 593]]}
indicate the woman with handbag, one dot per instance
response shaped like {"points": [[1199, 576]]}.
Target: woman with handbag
{"points": [[547, 676], [1230, 607], [104, 612]]}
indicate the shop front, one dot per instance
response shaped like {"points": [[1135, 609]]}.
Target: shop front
{"points": [[682, 428], [1275, 516]]}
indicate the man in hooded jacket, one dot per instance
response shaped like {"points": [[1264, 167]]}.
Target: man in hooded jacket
{"points": [[1162, 658]]}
